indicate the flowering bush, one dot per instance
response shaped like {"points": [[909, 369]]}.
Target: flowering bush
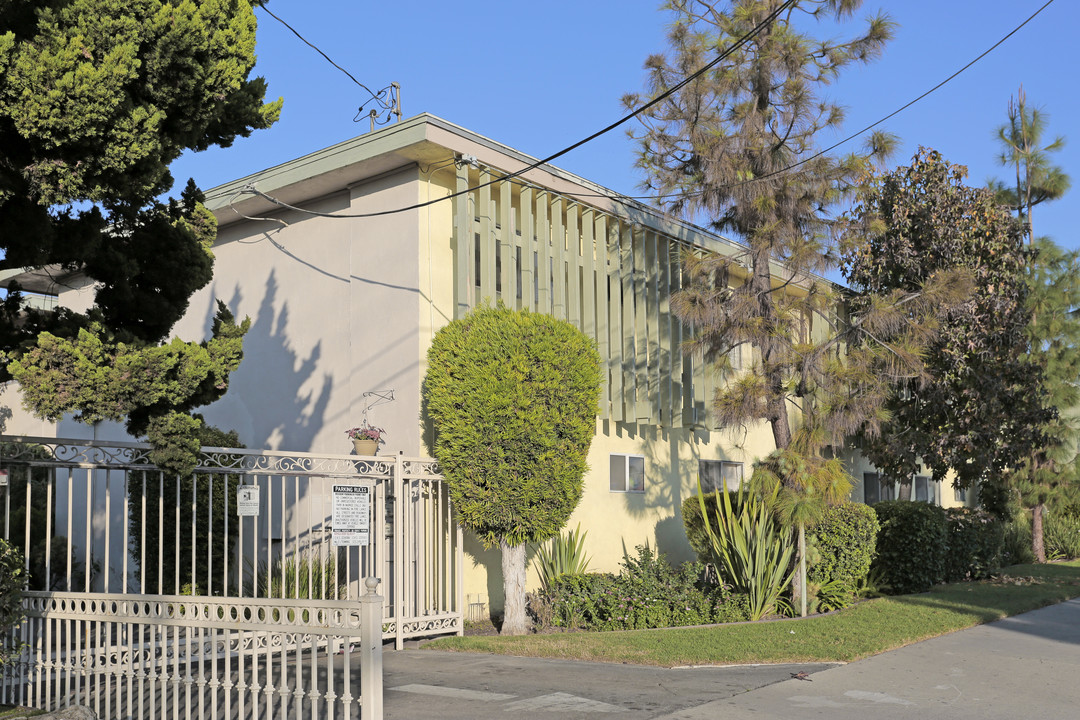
{"points": [[366, 432]]}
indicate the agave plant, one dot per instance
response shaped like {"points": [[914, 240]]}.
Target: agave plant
{"points": [[564, 554], [751, 550]]}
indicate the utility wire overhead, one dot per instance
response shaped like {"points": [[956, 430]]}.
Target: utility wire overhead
{"points": [[618, 197], [686, 81], [378, 97]]}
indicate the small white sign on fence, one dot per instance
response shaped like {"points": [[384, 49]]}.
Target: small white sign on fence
{"points": [[351, 515], [247, 501]]}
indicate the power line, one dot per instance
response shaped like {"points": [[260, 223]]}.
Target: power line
{"points": [[686, 81], [377, 97], [620, 198]]}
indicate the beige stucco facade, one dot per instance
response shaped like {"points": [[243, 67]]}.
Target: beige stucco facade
{"points": [[346, 306]]}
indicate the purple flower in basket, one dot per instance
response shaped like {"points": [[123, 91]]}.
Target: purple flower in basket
{"points": [[366, 432]]}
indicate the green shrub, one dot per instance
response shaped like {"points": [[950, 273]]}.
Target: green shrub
{"points": [[648, 593], [911, 545], [1061, 534], [1016, 548], [832, 595], [580, 601], [750, 550], [307, 576], [12, 585], [845, 542], [975, 542]]}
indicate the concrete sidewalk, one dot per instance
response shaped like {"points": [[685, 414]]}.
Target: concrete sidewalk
{"points": [[435, 685], [1021, 667]]}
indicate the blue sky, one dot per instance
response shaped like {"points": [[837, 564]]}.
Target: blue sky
{"points": [[541, 76]]}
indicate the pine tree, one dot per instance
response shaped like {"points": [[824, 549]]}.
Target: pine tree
{"points": [[97, 97], [1049, 474], [737, 146], [1037, 180]]}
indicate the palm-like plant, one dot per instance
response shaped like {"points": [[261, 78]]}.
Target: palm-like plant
{"points": [[805, 485]]}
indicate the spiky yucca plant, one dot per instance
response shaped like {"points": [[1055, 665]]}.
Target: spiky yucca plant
{"points": [[751, 549], [564, 554]]}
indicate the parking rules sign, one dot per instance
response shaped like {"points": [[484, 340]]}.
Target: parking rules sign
{"points": [[351, 515], [247, 501]]}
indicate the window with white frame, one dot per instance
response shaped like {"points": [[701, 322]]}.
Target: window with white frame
{"points": [[627, 473], [735, 358], [716, 474]]}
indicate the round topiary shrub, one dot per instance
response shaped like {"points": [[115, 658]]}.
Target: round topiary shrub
{"points": [[845, 541], [911, 545], [512, 396]]}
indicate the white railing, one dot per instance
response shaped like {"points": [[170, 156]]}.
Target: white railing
{"points": [[250, 533], [149, 656]]}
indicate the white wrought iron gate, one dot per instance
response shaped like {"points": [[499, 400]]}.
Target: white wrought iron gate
{"points": [[228, 594]]}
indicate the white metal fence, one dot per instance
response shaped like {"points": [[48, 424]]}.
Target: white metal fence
{"points": [[227, 594]]}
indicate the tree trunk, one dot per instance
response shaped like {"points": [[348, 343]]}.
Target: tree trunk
{"points": [[776, 400], [1037, 546], [802, 570], [515, 620]]}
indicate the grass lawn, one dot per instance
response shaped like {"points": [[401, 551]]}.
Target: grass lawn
{"points": [[866, 629]]}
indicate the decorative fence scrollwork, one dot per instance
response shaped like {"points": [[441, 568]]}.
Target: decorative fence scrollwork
{"points": [[226, 591]]}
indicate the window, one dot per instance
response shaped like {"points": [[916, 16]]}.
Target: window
{"points": [[927, 490], [735, 358], [627, 473], [960, 495], [716, 474], [877, 488]]}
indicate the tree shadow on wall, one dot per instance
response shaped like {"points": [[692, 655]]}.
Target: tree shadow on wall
{"points": [[276, 391]]}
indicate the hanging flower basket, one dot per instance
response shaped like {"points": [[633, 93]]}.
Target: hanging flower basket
{"points": [[366, 447], [366, 438]]}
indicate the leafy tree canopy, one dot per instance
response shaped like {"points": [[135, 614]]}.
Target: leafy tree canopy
{"points": [[977, 409], [97, 97]]}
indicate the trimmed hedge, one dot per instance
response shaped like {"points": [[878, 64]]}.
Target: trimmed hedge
{"points": [[845, 542], [912, 545], [976, 541]]}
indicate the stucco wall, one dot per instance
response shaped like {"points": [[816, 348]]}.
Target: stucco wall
{"points": [[334, 307]]}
